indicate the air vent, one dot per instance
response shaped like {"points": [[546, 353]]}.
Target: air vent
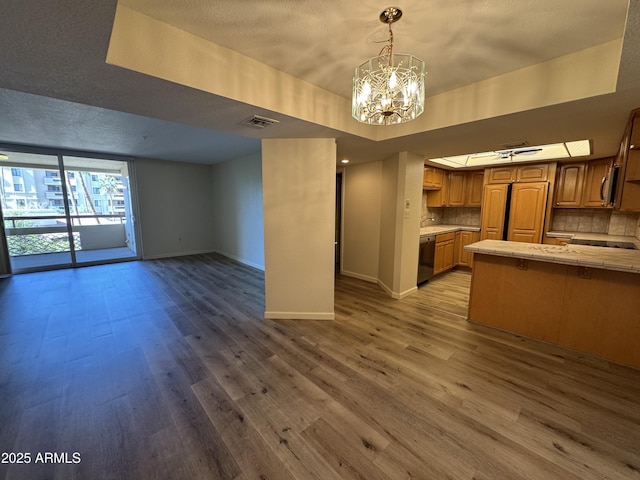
{"points": [[257, 121], [514, 145]]}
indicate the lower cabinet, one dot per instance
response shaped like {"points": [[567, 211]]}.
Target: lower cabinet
{"points": [[461, 256], [450, 250], [443, 259]]}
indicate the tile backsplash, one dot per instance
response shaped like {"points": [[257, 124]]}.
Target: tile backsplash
{"points": [[449, 215], [593, 220]]}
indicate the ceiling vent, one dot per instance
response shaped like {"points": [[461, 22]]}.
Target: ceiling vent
{"points": [[256, 121], [514, 145]]}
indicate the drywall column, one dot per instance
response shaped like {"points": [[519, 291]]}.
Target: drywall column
{"points": [[401, 197], [299, 194]]}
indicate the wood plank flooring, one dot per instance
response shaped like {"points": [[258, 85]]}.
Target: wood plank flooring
{"points": [[166, 370]]}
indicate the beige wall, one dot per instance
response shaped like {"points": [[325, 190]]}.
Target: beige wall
{"points": [[400, 223], [299, 183], [361, 220], [237, 205], [176, 214]]}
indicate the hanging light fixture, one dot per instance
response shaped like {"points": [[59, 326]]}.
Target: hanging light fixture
{"points": [[388, 89]]}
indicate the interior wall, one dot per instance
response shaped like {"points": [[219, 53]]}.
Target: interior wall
{"points": [[388, 214], [175, 206], [401, 210], [238, 230], [299, 194], [361, 220]]}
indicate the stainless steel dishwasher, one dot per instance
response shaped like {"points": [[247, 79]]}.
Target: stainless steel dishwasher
{"points": [[425, 257]]}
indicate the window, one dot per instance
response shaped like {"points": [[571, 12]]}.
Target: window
{"points": [[71, 175], [53, 188], [94, 178], [96, 191], [18, 187], [50, 174], [57, 203], [97, 203], [16, 172], [21, 203], [74, 188]]}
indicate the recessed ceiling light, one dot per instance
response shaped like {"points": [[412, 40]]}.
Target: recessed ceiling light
{"points": [[3, 156], [344, 160]]}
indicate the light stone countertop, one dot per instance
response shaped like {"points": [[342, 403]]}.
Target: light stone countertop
{"points": [[438, 229], [581, 255]]}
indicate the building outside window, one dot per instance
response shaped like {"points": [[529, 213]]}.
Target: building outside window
{"points": [[18, 187], [16, 172]]}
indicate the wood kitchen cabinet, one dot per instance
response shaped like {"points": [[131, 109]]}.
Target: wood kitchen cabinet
{"points": [[494, 207], [569, 185], [462, 239], [443, 259], [596, 173], [628, 193], [538, 172], [432, 178], [527, 211], [457, 189], [475, 184], [501, 174]]}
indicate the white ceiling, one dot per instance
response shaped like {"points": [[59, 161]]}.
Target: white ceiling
{"points": [[56, 89]]}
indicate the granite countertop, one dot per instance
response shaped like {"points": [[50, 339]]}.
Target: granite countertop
{"points": [[595, 236], [582, 255], [438, 229]]}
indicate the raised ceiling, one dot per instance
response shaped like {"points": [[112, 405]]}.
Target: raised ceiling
{"points": [[485, 83]]}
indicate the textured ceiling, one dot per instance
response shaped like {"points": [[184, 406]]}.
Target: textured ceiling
{"points": [[321, 41], [56, 89]]}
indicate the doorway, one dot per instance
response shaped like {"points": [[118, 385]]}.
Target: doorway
{"points": [[64, 209]]}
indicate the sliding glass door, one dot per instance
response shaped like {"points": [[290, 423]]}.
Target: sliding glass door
{"points": [[63, 209]]}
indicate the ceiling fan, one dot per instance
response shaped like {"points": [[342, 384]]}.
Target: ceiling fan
{"points": [[504, 154]]}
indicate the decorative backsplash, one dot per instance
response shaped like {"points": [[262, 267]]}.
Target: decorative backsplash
{"points": [[593, 220], [469, 216]]}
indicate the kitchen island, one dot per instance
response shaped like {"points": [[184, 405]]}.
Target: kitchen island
{"points": [[582, 297]]}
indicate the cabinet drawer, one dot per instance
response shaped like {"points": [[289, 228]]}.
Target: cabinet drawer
{"points": [[445, 237]]}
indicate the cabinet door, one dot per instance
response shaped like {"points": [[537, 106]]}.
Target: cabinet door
{"points": [[569, 185], [432, 178], [597, 171], [440, 197], [475, 183], [526, 216], [501, 175], [494, 205], [448, 255], [533, 173], [463, 238], [457, 182], [438, 259]]}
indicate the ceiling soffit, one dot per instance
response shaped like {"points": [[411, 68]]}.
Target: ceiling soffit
{"points": [[143, 44]]}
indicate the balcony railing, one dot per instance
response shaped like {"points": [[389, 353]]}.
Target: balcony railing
{"points": [[38, 234]]}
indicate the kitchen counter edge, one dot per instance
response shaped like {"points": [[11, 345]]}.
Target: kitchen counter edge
{"points": [[581, 255]]}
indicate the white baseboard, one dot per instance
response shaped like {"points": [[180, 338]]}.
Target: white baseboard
{"points": [[366, 278], [176, 254], [240, 260], [300, 315], [397, 295]]}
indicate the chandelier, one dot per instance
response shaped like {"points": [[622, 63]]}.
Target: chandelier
{"points": [[389, 88]]}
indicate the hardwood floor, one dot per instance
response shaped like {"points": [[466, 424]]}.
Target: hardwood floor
{"points": [[166, 370]]}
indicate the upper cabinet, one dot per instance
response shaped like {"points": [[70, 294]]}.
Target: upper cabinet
{"points": [[457, 190], [537, 172], [501, 174], [432, 178], [582, 184], [569, 185], [475, 184], [594, 183], [628, 190], [454, 188]]}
